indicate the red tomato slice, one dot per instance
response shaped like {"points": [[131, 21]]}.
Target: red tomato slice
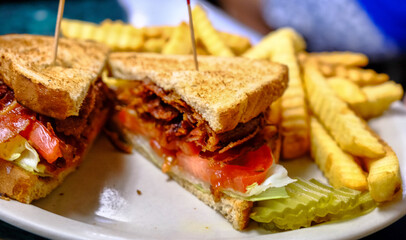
{"points": [[44, 141], [21, 120], [14, 121], [238, 174]]}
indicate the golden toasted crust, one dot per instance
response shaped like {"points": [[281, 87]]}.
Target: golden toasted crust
{"points": [[53, 90], [225, 91], [26, 187]]}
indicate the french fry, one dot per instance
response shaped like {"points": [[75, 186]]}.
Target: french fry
{"points": [[384, 179], [128, 40], [201, 51], [163, 32], [327, 70], [379, 99], [154, 45], [302, 56], [179, 42], [341, 58], [270, 42], [348, 130], [167, 32], [360, 76], [208, 35], [274, 140], [117, 35], [236, 43], [119, 25], [114, 34], [347, 90], [77, 29], [200, 48], [273, 114], [271, 132], [152, 32], [340, 168], [294, 116]]}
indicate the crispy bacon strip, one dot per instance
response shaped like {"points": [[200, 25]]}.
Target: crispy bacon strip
{"points": [[171, 116], [235, 152], [6, 99]]}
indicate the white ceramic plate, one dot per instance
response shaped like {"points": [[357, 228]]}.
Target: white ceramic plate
{"points": [[100, 200], [120, 196]]}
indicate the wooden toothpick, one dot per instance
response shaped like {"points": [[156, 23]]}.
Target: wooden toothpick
{"points": [[192, 35], [57, 29]]}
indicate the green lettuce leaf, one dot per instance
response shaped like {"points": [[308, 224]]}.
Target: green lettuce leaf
{"points": [[22, 154], [270, 193]]}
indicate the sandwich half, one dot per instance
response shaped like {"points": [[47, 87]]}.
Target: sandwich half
{"points": [[206, 129], [49, 113]]}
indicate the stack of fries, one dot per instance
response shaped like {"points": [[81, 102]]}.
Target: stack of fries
{"points": [[160, 39], [342, 141], [323, 110]]}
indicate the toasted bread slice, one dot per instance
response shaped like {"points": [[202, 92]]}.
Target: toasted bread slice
{"points": [[53, 90], [225, 91]]}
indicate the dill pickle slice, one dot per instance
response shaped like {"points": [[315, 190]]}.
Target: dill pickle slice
{"points": [[309, 203]]}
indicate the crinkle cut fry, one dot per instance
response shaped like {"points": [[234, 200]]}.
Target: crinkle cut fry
{"points": [[342, 58], [384, 179], [348, 130], [379, 98], [340, 168], [117, 35], [270, 42], [360, 76], [178, 42], [208, 35], [294, 115]]}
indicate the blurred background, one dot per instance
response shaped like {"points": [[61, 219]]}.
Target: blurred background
{"points": [[374, 27]]}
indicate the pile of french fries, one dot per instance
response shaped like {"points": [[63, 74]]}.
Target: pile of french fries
{"points": [[160, 39], [323, 111]]}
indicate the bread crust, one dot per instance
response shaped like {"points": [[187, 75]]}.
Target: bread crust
{"points": [[236, 211], [24, 186], [55, 90], [225, 91]]}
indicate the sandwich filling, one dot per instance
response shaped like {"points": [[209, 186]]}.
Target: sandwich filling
{"points": [[43, 145], [234, 161]]}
